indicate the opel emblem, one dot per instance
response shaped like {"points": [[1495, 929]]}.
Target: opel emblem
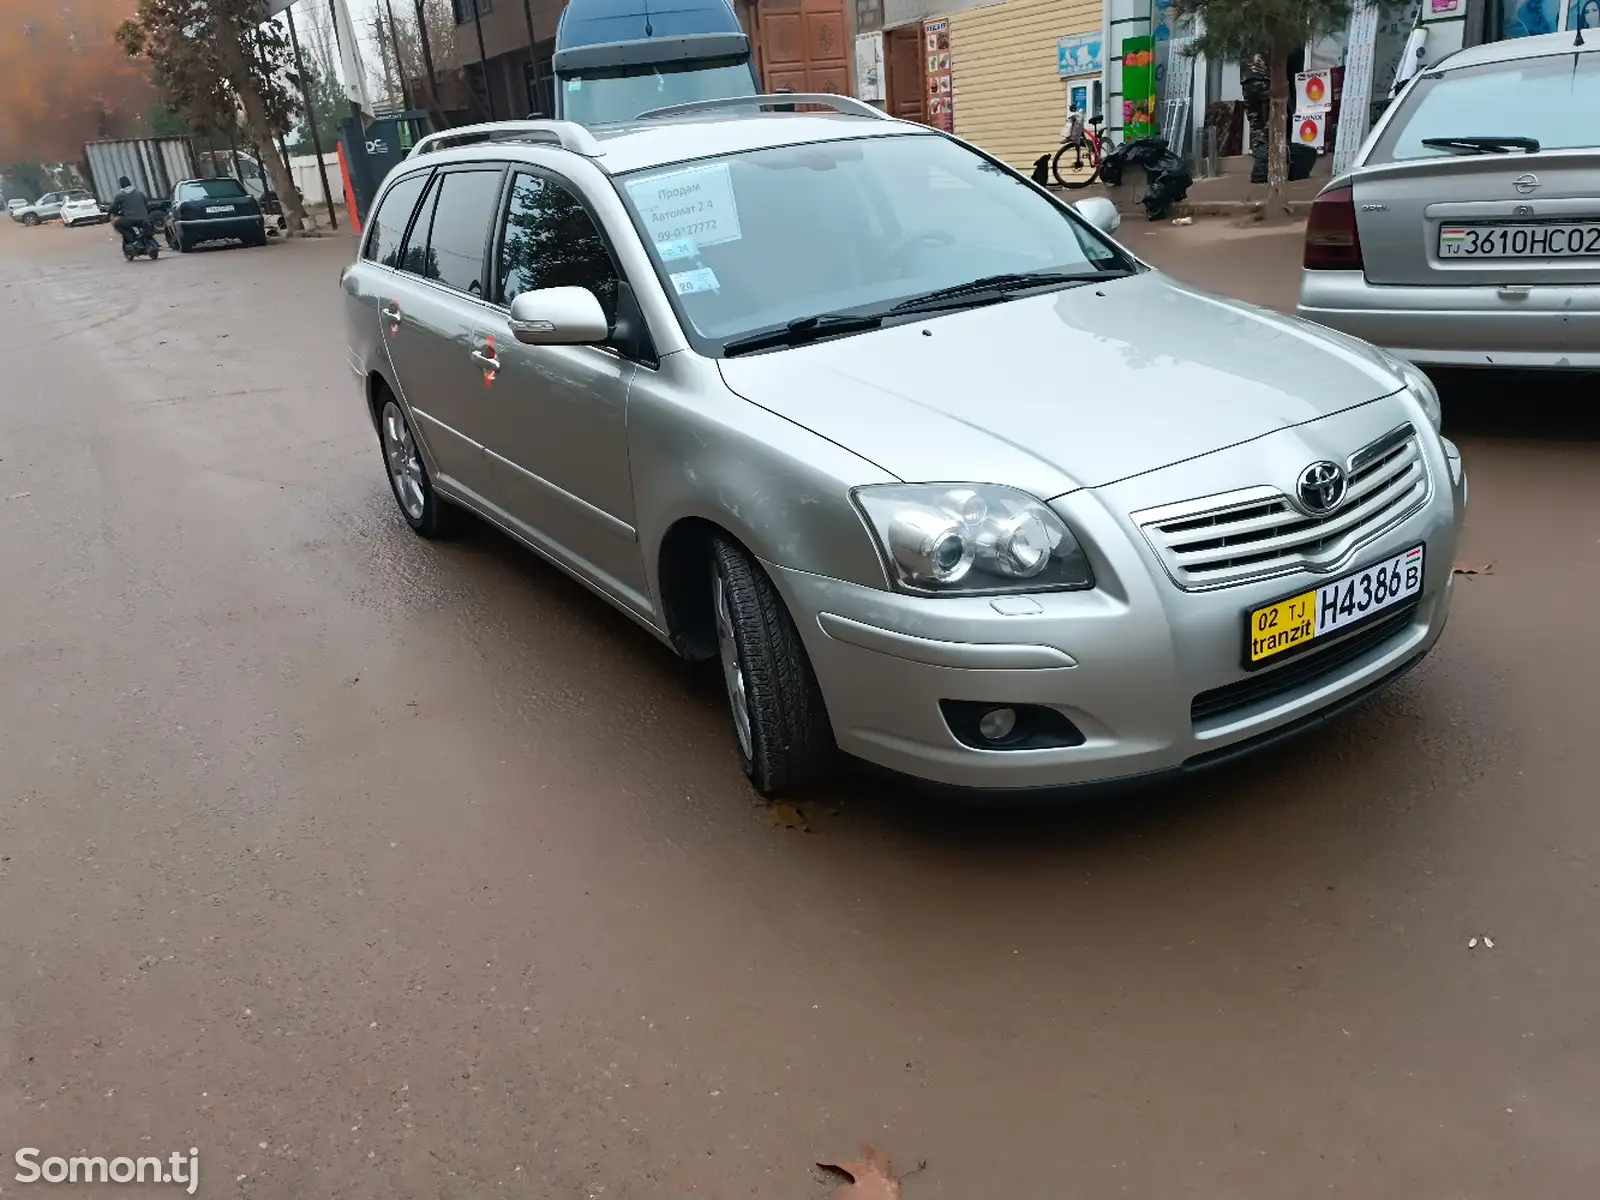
{"points": [[1525, 184], [1322, 487]]}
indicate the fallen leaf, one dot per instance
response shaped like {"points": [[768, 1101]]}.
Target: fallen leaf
{"points": [[870, 1179], [787, 816], [1469, 569]]}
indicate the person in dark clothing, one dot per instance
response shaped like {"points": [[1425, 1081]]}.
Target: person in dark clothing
{"points": [[130, 210]]}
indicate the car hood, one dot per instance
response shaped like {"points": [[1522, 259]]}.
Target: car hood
{"points": [[1076, 388]]}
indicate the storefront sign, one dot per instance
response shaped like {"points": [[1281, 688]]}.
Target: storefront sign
{"points": [[941, 90], [1313, 91], [1355, 104], [869, 66], [1310, 128], [1080, 55], [1138, 88]]}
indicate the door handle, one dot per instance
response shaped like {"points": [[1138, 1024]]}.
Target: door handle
{"points": [[487, 361], [392, 312]]}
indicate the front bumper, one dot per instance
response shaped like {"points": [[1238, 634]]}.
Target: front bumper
{"points": [[1543, 326], [1124, 662]]}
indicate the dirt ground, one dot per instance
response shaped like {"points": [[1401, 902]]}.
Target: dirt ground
{"points": [[377, 868]]}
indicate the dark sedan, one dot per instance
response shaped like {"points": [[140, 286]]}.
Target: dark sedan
{"points": [[213, 210]]}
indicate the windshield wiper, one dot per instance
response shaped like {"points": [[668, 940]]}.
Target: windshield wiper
{"points": [[1483, 145], [991, 288], [802, 330]]}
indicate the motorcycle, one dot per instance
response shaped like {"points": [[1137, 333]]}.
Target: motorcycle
{"points": [[142, 243]]}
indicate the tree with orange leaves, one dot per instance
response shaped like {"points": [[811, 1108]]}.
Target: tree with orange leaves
{"points": [[64, 80], [218, 58]]}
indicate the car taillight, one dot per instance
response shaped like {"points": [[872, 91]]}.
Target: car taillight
{"points": [[1332, 242]]}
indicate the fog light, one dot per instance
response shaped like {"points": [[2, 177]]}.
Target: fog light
{"points": [[997, 723]]}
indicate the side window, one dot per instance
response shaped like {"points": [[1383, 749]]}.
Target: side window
{"points": [[551, 241], [390, 221], [459, 234], [416, 258]]}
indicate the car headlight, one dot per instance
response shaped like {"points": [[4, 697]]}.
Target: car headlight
{"points": [[1420, 386], [972, 539]]}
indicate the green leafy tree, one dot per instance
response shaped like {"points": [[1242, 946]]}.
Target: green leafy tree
{"points": [[216, 58], [1274, 29], [328, 105], [28, 180]]}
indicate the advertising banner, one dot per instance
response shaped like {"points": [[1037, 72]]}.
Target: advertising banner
{"points": [[1138, 88]]}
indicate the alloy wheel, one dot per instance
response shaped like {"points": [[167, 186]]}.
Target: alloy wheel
{"points": [[405, 468], [732, 668]]}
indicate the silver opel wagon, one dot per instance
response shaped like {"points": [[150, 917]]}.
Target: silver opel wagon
{"points": [[942, 476]]}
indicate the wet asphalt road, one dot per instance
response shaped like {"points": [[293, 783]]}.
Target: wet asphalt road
{"points": [[378, 868]]}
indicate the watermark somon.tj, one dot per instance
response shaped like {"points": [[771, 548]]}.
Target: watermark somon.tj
{"points": [[34, 1166]]}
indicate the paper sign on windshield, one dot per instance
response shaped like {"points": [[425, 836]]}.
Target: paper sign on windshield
{"points": [[696, 203]]}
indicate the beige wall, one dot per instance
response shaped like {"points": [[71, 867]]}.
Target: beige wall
{"points": [[1008, 98]]}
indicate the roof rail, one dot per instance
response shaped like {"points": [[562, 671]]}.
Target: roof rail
{"points": [[567, 134], [840, 104]]}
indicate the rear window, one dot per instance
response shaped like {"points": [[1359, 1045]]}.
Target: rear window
{"points": [[213, 189], [1552, 99], [389, 225]]}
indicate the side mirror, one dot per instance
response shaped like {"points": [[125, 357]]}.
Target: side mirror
{"points": [[559, 316], [1099, 212]]}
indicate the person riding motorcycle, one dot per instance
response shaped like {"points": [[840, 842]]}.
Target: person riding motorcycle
{"points": [[130, 211]]}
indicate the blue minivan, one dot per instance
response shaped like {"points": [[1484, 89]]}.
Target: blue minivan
{"points": [[615, 59]]}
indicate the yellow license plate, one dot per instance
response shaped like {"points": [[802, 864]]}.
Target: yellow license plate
{"points": [[1282, 626], [1332, 608]]}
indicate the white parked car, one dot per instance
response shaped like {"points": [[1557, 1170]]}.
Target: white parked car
{"points": [[14, 206], [83, 210]]}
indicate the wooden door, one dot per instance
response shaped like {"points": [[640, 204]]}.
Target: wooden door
{"points": [[802, 46], [904, 64]]}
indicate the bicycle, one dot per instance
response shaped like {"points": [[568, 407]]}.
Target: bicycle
{"points": [[1077, 164]]}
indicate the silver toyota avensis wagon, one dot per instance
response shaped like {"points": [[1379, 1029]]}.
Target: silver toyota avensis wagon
{"points": [[943, 476]]}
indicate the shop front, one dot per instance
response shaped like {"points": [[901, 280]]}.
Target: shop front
{"points": [[1013, 70]]}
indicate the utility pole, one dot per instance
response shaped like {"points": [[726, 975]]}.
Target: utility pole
{"points": [[427, 56], [311, 118], [383, 56], [399, 62], [483, 61], [530, 81]]}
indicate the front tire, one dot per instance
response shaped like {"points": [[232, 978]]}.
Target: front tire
{"points": [[30, 219], [421, 506], [780, 722]]}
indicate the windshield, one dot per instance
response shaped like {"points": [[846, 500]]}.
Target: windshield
{"points": [[213, 189], [752, 241], [600, 96], [1552, 100]]}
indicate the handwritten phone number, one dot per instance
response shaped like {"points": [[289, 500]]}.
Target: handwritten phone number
{"points": [[680, 231]]}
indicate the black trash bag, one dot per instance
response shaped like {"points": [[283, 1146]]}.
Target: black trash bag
{"points": [[1041, 169], [1141, 152], [1302, 160], [1111, 166], [1169, 183]]}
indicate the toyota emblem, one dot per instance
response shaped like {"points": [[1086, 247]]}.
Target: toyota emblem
{"points": [[1322, 487], [1525, 184]]}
